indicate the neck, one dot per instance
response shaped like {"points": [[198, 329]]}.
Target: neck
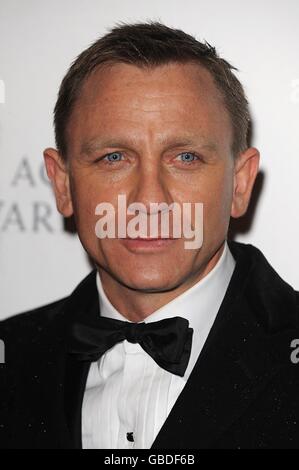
{"points": [[137, 305]]}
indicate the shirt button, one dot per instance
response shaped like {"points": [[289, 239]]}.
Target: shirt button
{"points": [[130, 436]]}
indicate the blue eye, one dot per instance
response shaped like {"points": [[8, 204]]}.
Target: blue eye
{"points": [[113, 157], [188, 157]]}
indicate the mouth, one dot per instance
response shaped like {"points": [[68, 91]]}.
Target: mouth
{"points": [[147, 244], [150, 238]]}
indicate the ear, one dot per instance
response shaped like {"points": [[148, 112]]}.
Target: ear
{"points": [[246, 169], [58, 174]]}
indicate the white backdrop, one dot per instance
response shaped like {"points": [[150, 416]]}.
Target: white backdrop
{"points": [[40, 262]]}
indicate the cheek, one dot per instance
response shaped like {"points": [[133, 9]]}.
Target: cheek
{"points": [[217, 201], [85, 198]]}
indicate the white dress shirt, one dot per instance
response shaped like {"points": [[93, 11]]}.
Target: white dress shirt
{"points": [[126, 391]]}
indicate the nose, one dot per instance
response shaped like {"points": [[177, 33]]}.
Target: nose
{"points": [[151, 185]]}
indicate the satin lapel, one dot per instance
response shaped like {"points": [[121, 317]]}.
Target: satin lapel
{"points": [[84, 301], [239, 357], [75, 383]]}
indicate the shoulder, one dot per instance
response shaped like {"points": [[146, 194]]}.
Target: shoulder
{"points": [[37, 314], [45, 320], [26, 327], [273, 299]]}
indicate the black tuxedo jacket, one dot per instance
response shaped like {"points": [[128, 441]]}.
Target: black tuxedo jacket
{"points": [[242, 393]]}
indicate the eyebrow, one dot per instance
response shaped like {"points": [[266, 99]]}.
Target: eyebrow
{"points": [[96, 144]]}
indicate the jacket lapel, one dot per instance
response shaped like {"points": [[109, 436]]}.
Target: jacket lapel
{"points": [[84, 301], [75, 382], [246, 346]]}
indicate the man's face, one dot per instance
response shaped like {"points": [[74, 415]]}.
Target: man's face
{"points": [[171, 141]]}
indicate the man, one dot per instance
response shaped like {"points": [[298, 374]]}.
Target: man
{"points": [[160, 346]]}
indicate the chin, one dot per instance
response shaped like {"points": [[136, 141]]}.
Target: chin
{"points": [[147, 284]]}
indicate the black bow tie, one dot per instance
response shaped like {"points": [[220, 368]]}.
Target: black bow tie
{"points": [[167, 341]]}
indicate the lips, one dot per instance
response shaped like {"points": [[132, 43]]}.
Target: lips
{"points": [[150, 239], [140, 244]]}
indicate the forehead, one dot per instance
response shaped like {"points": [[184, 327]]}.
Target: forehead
{"points": [[122, 98], [124, 80]]}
